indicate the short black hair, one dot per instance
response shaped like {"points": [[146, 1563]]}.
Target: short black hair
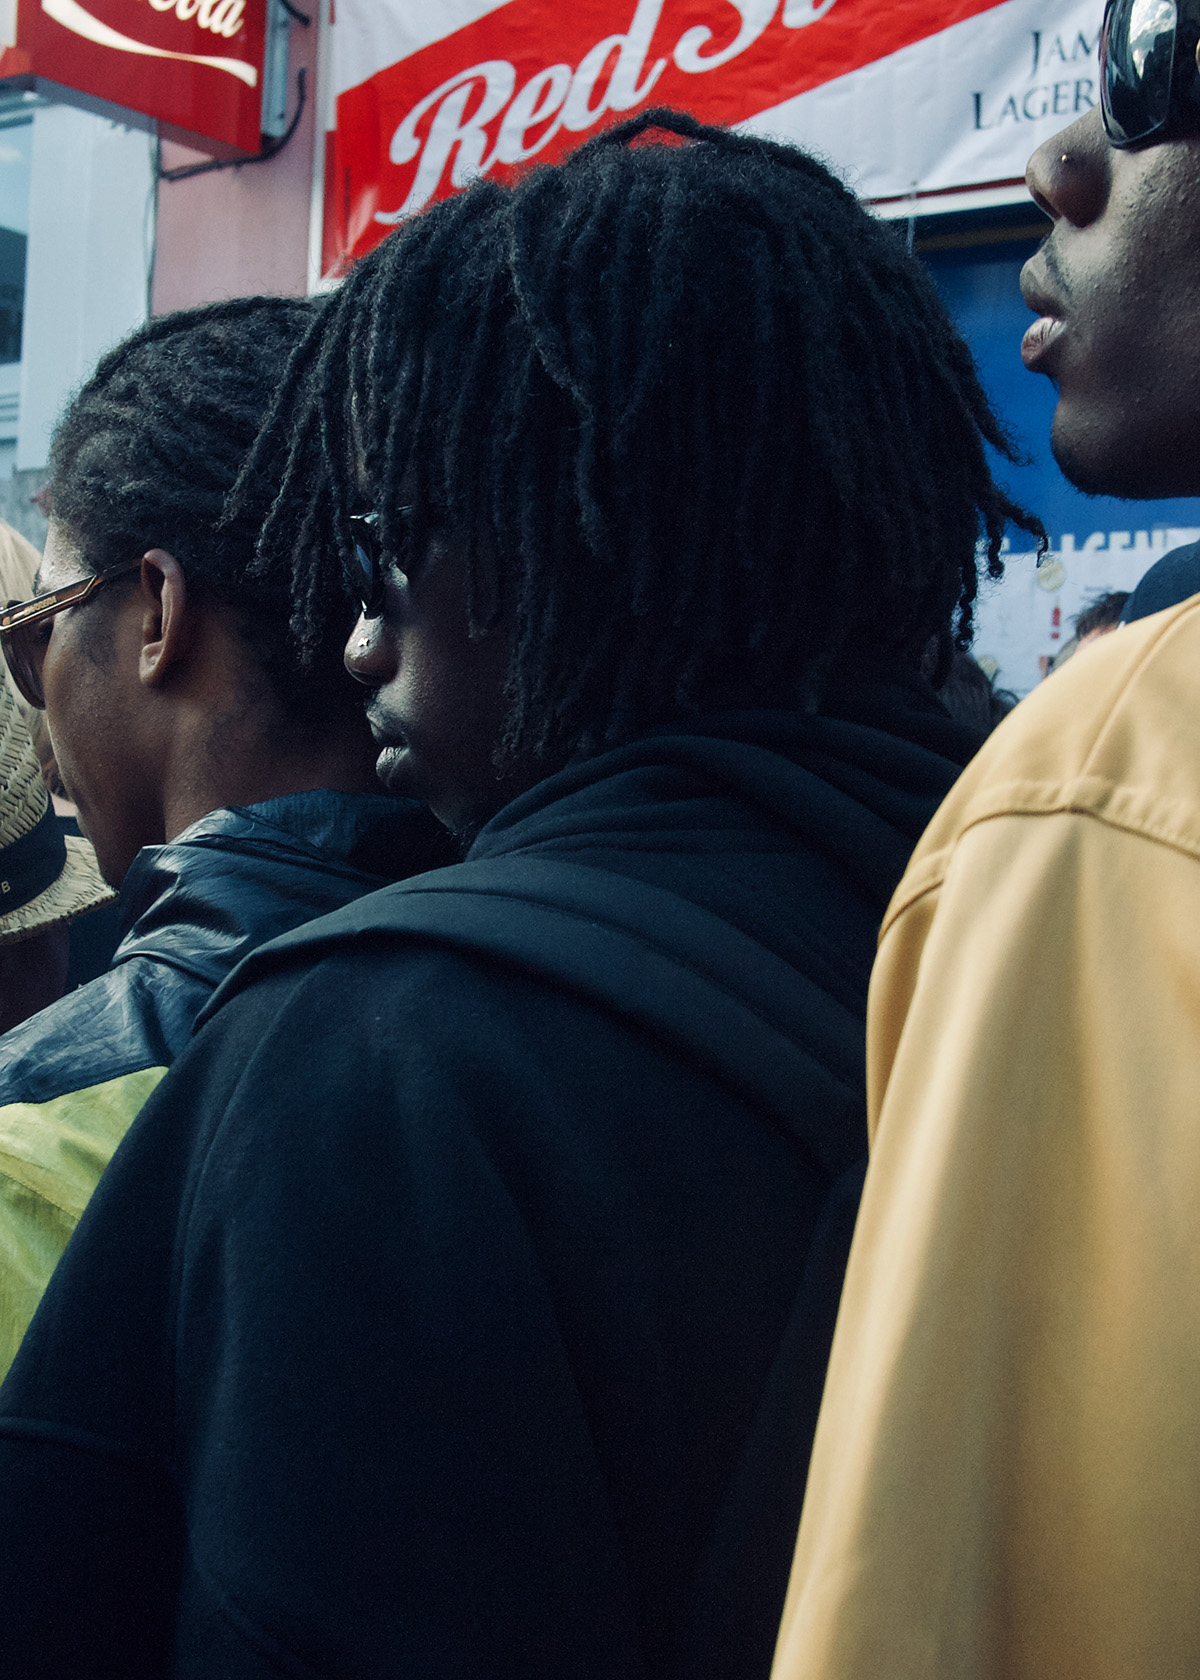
{"points": [[145, 455], [1103, 613], [697, 415]]}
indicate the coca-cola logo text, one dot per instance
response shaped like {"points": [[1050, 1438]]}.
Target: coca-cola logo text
{"points": [[223, 17], [194, 66]]}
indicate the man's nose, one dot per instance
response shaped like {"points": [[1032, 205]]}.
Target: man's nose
{"points": [[1068, 176], [369, 655]]}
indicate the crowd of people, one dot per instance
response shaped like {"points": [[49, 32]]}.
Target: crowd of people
{"points": [[511, 695]]}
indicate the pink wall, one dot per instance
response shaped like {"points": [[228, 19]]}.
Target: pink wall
{"points": [[240, 230]]}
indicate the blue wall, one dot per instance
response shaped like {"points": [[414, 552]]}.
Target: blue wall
{"points": [[980, 287]]}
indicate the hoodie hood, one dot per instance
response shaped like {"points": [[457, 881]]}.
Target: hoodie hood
{"points": [[857, 783], [719, 886]]}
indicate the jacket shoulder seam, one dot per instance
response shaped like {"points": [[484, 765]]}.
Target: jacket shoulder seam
{"points": [[1154, 824]]}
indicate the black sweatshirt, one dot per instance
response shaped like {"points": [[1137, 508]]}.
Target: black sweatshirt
{"points": [[457, 1309]]}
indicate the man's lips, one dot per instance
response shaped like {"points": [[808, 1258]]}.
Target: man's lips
{"points": [[1039, 295], [1039, 340], [392, 745], [390, 764]]}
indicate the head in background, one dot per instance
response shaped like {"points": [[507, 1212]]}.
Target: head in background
{"points": [[1100, 617], [19, 561], [178, 687], [46, 881], [18, 565], [671, 425]]}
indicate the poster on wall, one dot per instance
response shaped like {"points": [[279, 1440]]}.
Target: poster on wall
{"points": [[1024, 622], [195, 66], [914, 101]]}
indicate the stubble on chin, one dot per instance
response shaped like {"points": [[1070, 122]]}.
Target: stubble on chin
{"points": [[1116, 461], [1077, 467]]}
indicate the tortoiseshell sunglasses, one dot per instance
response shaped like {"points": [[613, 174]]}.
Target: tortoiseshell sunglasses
{"points": [[24, 647]]}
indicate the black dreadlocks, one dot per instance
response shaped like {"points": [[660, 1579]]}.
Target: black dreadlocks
{"points": [[145, 456], [697, 416]]}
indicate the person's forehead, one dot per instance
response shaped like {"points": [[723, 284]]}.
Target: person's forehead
{"points": [[61, 561]]}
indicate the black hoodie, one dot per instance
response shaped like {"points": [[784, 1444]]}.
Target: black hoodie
{"points": [[459, 1305]]}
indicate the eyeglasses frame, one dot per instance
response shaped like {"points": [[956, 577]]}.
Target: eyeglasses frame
{"points": [[23, 615], [365, 537]]}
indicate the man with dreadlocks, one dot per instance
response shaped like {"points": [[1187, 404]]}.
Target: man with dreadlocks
{"points": [[447, 1311], [1006, 1480], [230, 793]]}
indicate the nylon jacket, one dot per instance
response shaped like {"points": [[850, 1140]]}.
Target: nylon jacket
{"points": [[458, 1333], [1006, 1476], [73, 1077]]}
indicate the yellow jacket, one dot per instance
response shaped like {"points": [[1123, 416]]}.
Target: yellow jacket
{"points": [[1006, 1475]]}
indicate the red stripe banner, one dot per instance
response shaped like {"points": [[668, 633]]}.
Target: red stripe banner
{"points": [[533, 78]]}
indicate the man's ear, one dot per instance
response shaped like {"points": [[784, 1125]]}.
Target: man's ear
{"points": [[165, 623]]}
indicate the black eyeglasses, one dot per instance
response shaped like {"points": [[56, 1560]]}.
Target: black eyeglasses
{"points": [[24, 628], [368, 572], [1149, 83]]}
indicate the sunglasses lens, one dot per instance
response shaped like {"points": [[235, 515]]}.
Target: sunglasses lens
{"points": [[23, 656], [366, 576], [366, 571], [1137, 49]]}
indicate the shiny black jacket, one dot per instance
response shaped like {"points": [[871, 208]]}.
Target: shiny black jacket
{"points": [[192, 909], [73, 1077]]}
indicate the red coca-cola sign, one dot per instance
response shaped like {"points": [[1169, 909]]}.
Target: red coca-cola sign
{"points": [[194, 65], [532, 78]]}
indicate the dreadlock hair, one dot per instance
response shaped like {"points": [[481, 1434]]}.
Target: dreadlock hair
{"points": [[146, 453], [693, 414]]}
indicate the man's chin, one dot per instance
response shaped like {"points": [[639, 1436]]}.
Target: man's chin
{"points": [[1082, 471], [1121, 462], [400, 772]]}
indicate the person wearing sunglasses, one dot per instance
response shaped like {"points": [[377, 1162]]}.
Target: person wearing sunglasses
{"points": [[475, 1251], [226, 782], [1006, 1476]]}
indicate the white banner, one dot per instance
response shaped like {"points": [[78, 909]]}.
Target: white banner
{"points": [[963, 108], [912, 100]]}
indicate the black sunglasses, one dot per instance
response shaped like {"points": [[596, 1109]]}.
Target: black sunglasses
{"points": [[25, 628], [1149, 82], [367, 571]]}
